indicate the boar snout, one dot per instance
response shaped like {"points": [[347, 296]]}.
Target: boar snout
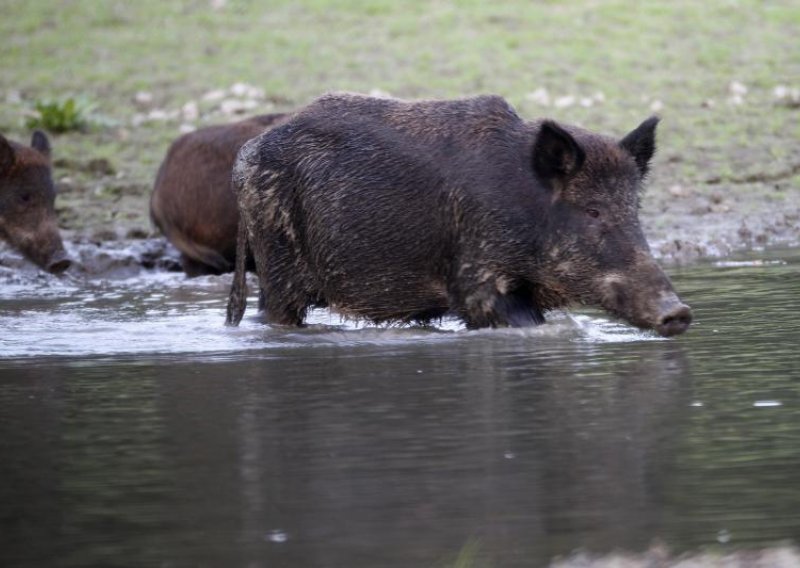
{"points": [[59, 262], [660, 310], [43, 247], [674, 317]]}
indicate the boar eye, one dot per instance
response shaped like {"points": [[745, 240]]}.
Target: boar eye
{"points": [[25, 197], [593, 213]]}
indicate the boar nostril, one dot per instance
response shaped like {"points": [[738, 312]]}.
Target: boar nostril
{"points": [[59, 266], [675, 321]]}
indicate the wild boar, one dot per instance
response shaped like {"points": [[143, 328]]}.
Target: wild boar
{"points": [[192, 201], [405, 211], [27, 203]]}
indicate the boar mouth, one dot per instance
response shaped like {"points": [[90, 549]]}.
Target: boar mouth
{"points": [[43, 247], [664, 313], [54, 263], [668, 323]]}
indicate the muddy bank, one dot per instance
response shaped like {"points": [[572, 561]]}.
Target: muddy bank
{"points": [[103, 212], [683, 227], [685, 224], [93, 258], [705, 197]]}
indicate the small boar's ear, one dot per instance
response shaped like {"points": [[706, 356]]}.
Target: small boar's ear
{"points": [[6, 155], [641, 143], [556, 154], [40, 142]]}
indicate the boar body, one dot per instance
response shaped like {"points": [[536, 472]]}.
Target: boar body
{"points": [[405, 211], [27, 203], [192, 201]]}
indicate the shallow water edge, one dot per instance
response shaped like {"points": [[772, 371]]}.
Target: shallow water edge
{"points": [[138, 429]]}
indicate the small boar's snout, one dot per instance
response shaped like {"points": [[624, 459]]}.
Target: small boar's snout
{"points": [[59, 263], [674, 319]]}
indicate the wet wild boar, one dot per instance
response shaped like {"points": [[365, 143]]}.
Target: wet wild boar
{"points": [[405, 211], [192, 201], [27, 203]]}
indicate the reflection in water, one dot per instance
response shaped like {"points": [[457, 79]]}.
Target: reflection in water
{"points": [[333, 447], [749, 451]]}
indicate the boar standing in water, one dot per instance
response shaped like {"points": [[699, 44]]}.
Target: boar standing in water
{"points": [[192, 201], [406, 211], [27, 203]]}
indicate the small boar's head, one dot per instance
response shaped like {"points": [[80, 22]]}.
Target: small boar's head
{"points": [[595, 251], [27, 198]]}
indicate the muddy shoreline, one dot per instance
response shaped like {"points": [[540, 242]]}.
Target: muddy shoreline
{"points": [[682, 227], [701, 200], [690, 227]]}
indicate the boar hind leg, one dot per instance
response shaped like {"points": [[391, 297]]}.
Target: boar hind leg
{"points": [[280, 305], [284, 296], [284, 309]]}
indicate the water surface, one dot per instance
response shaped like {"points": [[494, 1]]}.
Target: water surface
{"points": [[135, 429]]}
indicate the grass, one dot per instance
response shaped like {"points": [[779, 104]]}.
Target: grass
{"points": [[61, 115], [680, 53], [467, 557]]}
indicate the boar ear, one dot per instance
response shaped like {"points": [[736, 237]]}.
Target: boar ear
{"points": [[641, 143], [556, 154], [6, 155], [40, 142]]}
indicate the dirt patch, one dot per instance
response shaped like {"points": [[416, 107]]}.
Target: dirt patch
{"points": [[687, 219], [759, 177], [690, 225]]}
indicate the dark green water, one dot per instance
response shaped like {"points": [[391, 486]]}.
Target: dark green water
{"points": [[136, 430]]}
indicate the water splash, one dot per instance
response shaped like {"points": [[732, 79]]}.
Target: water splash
{"points": [[164, 312]]}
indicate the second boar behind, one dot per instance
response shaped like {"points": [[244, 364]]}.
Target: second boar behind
{"points": [[192, 201]]}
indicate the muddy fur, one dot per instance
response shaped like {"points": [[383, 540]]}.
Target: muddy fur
{"points": [[405, 211], [192, 201], [27, 203]]}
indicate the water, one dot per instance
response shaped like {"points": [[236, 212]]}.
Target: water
{"points": [[136, 430]]}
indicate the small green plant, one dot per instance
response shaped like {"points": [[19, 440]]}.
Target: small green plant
{"points": [[467, 557], [61, 115]]}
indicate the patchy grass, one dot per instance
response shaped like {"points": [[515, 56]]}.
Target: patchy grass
{"points": [[605, 65]]}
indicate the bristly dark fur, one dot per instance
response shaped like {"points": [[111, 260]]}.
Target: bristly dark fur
{"points": [[404, 211]]}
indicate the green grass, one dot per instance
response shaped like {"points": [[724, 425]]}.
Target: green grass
{"points": [[61, 115], [681, 53], [467, 557]]}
